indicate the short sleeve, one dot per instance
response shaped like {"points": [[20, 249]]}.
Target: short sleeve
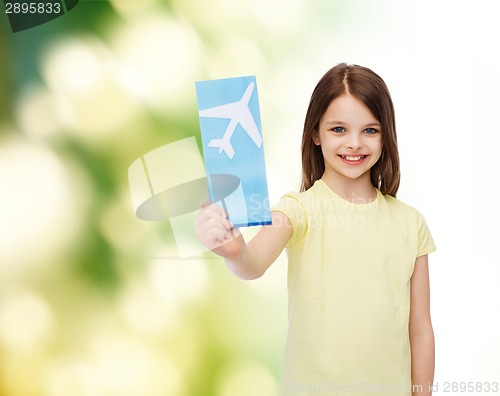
{"points": [[291, 206], [425, 242]]}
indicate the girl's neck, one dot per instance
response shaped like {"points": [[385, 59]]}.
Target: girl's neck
{"points": [[357, 191]]}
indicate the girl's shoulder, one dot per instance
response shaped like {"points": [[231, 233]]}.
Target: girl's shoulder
{"points": [[304, 198], [410, 219], [402, 209]]}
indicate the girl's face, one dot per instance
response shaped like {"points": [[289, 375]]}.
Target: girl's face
{"points": [[350, 138]]}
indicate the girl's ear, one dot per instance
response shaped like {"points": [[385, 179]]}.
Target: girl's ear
{"points": [[315, 137]]}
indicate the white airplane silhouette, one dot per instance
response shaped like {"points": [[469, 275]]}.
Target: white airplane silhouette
{"points": [[239, 113]]}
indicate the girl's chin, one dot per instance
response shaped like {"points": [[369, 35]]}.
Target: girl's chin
{"points": [[359, 175]]}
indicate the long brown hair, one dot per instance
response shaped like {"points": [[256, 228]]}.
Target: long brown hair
{"points": [[370, 89]]}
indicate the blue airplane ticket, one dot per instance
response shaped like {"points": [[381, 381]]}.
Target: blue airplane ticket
{"points": [[233, 148]]}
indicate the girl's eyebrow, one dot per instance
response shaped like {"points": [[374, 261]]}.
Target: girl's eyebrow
{"points": [[335, 122]]}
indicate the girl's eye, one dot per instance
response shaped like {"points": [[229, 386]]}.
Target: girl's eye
{"points": [[338, 129], [370, 130]]}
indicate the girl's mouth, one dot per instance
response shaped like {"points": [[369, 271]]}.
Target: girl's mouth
{"points": [[353, 159]]}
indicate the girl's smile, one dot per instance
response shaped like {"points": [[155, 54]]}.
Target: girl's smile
{"points": [[353, 160]]}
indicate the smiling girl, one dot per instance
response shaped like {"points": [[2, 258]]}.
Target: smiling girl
{"points": [[358, 281]]}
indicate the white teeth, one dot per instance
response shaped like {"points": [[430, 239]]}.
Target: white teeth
{"points": [[348, 158]]}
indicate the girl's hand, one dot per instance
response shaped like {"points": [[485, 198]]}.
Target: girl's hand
{"points": [[216, 233], [245, 260]]}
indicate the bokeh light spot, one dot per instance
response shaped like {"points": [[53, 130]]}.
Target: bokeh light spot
{"points": [[85, 80], [26, 321], [280, 17], [246, 378], [41, 206], [71, 376], [180, 281], [144, 311], [162, 55], [37, 113]]}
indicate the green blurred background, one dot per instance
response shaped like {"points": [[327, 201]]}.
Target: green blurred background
{"points": [[91, 301]]}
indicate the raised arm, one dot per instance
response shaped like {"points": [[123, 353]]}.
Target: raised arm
{"points": [[245, 260], [421, 333]]}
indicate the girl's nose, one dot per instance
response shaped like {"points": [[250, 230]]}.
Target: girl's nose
{"points": [[354, 143]]}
